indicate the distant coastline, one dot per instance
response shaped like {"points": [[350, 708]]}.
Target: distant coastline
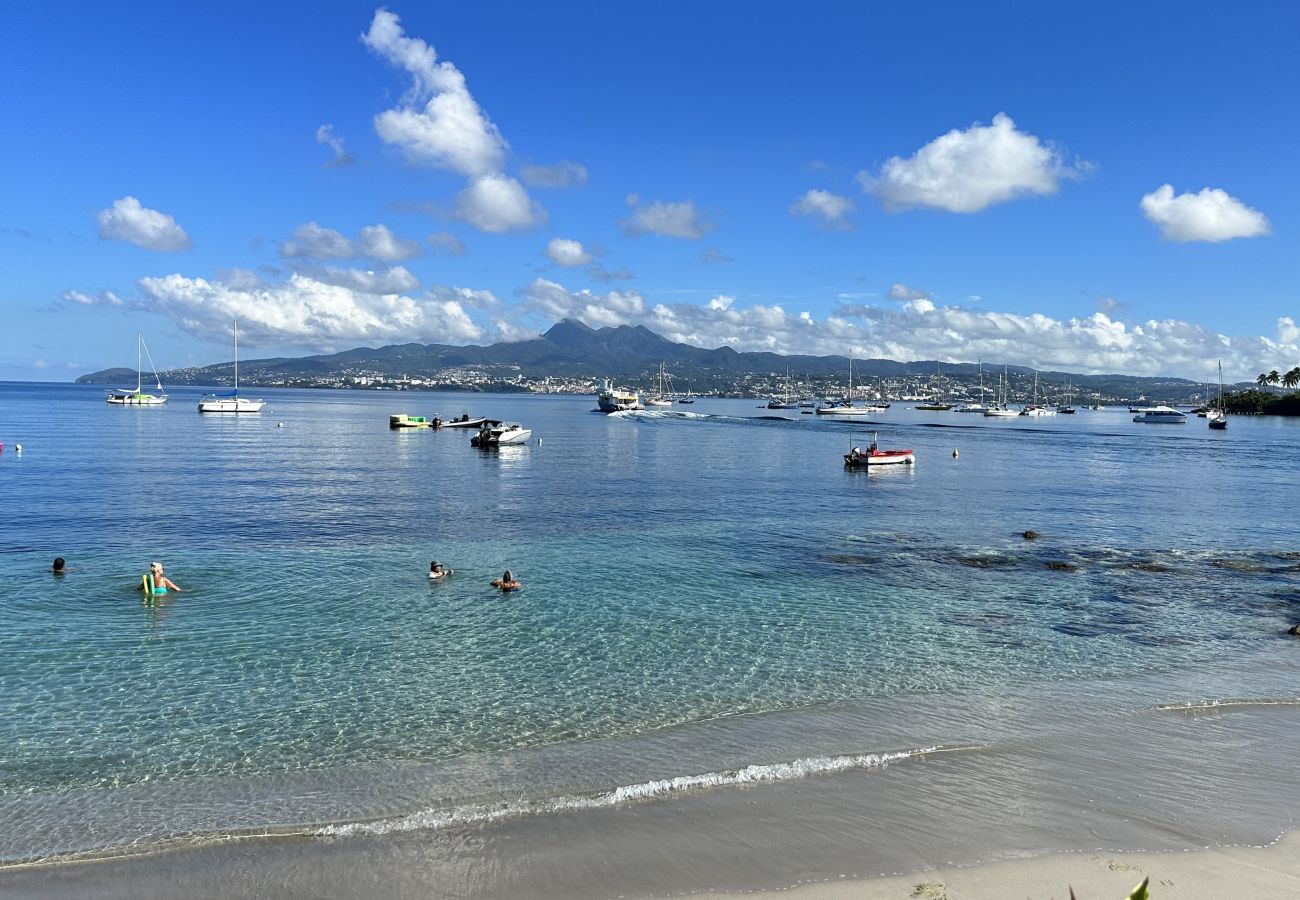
{"points": [[570, 358]]}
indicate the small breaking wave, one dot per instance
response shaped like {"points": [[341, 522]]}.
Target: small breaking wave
{"points": [[640, 792], [1228, 703]]}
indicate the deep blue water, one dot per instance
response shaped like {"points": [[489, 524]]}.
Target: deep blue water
{"points": [[680, 568]]}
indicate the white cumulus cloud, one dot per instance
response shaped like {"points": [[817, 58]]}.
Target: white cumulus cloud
{"points": [[1211, 215], [567, 253], [315, 314], [498, 204], [396, 280], [676, 220], [920, 329], [967, 171], [831, 208], [126, 220], [439, 123]]}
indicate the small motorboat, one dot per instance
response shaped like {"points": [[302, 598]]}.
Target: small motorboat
{"points": [[500, 434], [872, 455], [466, 422]]}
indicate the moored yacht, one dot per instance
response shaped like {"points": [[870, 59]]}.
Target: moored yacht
{"points": [[1160, 415]]}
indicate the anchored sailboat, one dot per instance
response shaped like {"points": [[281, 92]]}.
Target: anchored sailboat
{"points": [[139, 397], [1218, 417], [230, 401]]}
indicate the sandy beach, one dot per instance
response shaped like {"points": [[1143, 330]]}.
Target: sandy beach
{"points": [[1262, 873]]}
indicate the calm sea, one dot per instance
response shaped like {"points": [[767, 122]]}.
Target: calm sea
{"points": [[715, 612]]}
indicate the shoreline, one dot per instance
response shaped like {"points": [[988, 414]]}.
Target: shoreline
{"points": [[1267, 872]]}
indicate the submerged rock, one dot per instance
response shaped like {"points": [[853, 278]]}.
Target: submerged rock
{"points": [[1148, 567], [1029, 535], [1057, 565], [1294, 629]]}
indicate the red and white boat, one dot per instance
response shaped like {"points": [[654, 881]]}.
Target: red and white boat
{"points": [[872, 456]]}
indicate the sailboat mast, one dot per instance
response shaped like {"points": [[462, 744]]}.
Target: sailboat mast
{"points": [[139, 362], [236, 343]]}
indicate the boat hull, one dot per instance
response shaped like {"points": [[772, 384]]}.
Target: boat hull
{"points": [[131, 398], [869, 459], [849, 410], [231, 405], [1160, 416]]}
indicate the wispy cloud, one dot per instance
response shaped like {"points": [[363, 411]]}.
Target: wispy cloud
{"points": [[325, 135], [563, 174], [675, 220], [377, 242], [446, 243], [832, 209]]}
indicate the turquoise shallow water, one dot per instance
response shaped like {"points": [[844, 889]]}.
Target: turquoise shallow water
{"points": [[681, 570]]}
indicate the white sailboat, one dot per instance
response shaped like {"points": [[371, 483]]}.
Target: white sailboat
{"points": [[662, 398], [786, 400], [848, 409], [999, 408], [230, 401], [1217, 418], [139, 397], [1032, 408], [972, 406]]}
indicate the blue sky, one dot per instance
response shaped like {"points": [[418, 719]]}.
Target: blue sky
{"points": [[951, 180]]}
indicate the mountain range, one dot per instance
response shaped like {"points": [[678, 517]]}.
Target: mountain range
{"points": [[570, 349]]}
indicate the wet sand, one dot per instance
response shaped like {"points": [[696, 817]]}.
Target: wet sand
{"points": [[1261, 873]]}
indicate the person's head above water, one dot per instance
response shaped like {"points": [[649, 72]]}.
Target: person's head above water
{"points": [[58, 564], [435, 566], [156, 567], [507, 576]]}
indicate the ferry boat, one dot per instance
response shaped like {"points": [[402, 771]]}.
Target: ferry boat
{"points": [[1166, 415], [611, 399]]}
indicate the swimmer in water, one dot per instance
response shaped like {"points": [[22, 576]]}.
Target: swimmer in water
{"points": [[436, 570], [506, 582], [57, 567], [161, 583]]}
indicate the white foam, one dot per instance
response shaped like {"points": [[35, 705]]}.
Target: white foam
{"points": [[1228, 703], [433, 819]]}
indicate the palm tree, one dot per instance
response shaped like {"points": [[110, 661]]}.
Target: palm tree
{"points": [[1274, 378], [1291, 378], [1262, 380]]}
